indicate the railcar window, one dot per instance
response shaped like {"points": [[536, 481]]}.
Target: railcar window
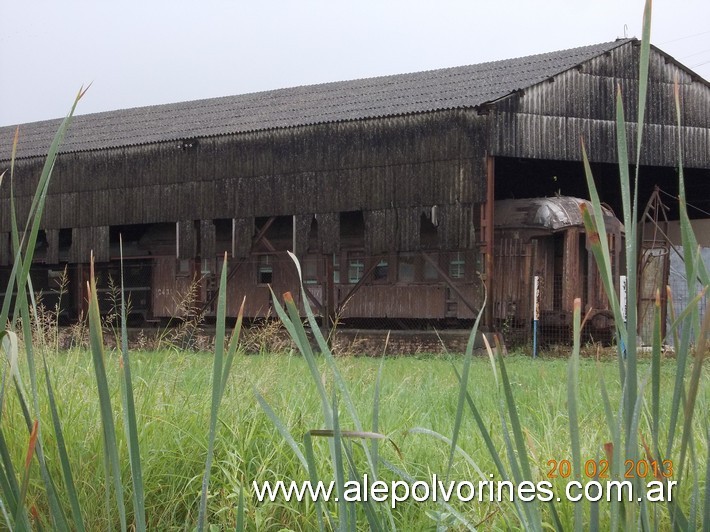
{"points": [[265, 271], [336, 268], [310, 271], [430, 273], [183, 268], [356, 269], [406, 269], [381, 271], [457, 266]]}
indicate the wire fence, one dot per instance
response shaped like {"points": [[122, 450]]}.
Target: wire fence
{"points": [[435, 292]]}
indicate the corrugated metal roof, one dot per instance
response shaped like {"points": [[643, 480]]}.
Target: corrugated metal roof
{"points": [[448, 88], [554, 213]]}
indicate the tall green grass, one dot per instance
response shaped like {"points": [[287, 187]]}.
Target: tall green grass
{"points": [[635, 420], [173, 401], [15, 513], [39, 486], [17, 320]]}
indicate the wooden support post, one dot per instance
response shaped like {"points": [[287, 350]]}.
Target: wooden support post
{"points": [[262, 232], [81, 275], [536, 313]]}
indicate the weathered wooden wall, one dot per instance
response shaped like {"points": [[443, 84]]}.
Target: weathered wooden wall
{"points": [[390, 168], [547, 120]]}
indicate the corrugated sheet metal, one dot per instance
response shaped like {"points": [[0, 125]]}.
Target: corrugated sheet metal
{"points": [[52, 254], [448, 88], [186, 239], [552, 214], [435, 163], [242, 234], [548, 120], [207, 239], [88, 240]]}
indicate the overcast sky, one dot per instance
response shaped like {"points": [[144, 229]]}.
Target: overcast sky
{"points": [[151, 52]]}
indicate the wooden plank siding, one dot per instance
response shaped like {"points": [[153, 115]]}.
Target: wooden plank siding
{"points": [[547, 120], [364, 186], [387, 167]]}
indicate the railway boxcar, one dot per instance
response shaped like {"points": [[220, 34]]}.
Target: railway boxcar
{"points": [[545, 237]]}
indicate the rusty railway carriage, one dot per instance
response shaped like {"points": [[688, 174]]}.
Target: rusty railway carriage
{"points": [[385, 188], [545, 237]]}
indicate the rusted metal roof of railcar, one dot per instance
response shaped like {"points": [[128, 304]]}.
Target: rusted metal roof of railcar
{"points": [[447, 88], [554, 213]]}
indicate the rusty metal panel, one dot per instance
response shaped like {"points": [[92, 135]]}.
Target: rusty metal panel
{"points": [[243, 281], [473, 292], [171, 288], [552, 214], [543, 265], [571, 272], [512, 287], [387, 301]]}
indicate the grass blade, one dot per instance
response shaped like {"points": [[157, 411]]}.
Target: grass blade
{"points": [[367, 505], [26, 471], [612, 450], [109, 431], [233, 345], [532, 509], [572, 402], [706, 514], [376, 414], [240, 512], [292, 322], [693, 388], [69, 484], [19, 277], [450, 509], [217, 378], [310, 465], [463, 386], [281, 427], [467, 457], [10, 487], [486, 435], [129, 411], [337, 376], [339, 470], [656, 376]]}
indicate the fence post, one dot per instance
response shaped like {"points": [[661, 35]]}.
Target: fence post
{"points": [[536, 312]]}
